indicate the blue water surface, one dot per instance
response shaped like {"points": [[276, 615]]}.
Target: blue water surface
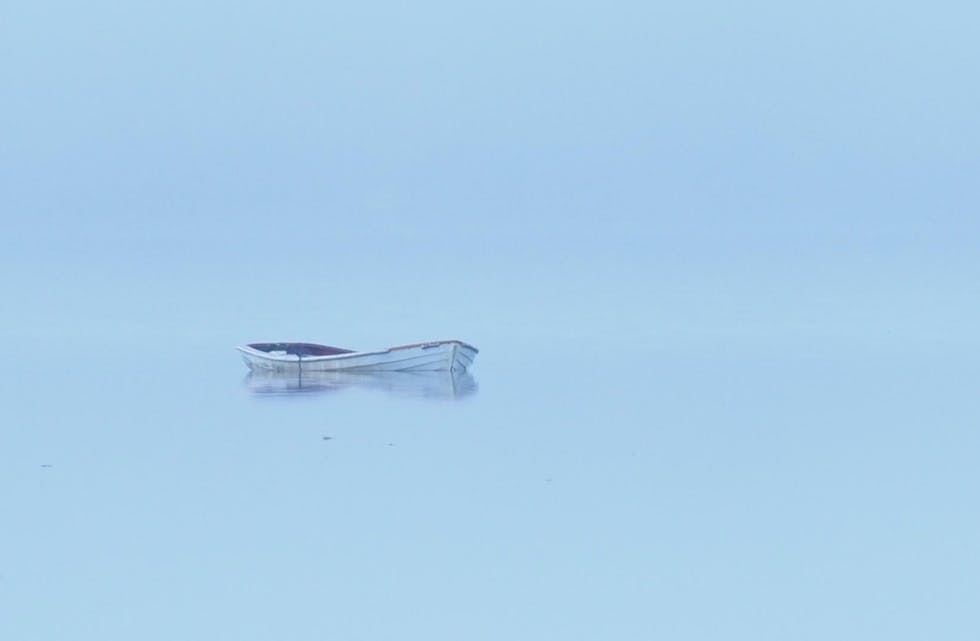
{"points": [[720, 262]]}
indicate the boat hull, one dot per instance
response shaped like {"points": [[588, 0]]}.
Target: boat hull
{"points": [[454, 356]]}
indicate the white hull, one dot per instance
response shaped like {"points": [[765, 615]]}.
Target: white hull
{"points": [[453, 356]]}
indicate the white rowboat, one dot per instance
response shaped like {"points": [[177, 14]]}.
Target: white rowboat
{"points": [[455, 356]]}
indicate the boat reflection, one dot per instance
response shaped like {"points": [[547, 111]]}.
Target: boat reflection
{"points": [[435, 385]]}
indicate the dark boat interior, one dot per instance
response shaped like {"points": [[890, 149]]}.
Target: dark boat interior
{"points": [[300, 349]]}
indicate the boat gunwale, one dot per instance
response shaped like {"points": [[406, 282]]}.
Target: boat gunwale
{"points": [[295, 358]]}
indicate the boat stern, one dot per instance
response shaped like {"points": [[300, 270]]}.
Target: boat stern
{"points": [[257, 360]]}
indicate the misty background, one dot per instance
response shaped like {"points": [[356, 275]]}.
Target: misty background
{"points": [[719, 258]]}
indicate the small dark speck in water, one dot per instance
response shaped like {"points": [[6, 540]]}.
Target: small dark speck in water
{"points": [[548, 480], [327, 438], [46, 465], [390, 444]]}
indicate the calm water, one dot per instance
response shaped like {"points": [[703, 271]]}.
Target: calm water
{"points": [[720, 260], [565, 491]]}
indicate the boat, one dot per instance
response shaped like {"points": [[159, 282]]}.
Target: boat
{"points": [[451, 355]]}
